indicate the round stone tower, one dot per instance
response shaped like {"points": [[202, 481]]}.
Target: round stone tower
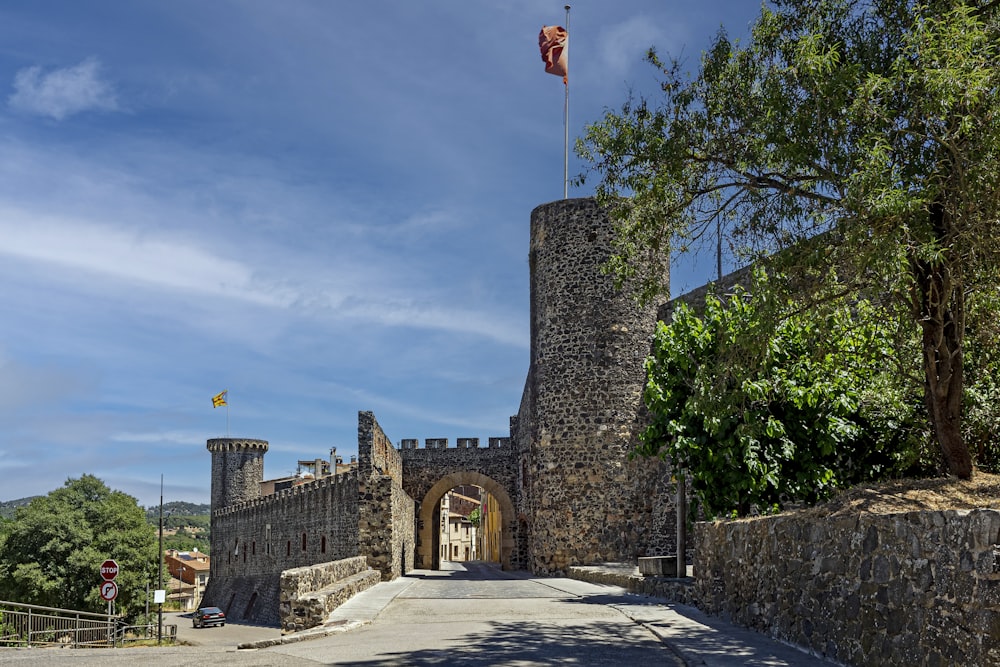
{"points": [[237, 470], [586, 501]]}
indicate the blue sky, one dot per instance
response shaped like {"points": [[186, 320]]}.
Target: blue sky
{"points": [[322, 207]]}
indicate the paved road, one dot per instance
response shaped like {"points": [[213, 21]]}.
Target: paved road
{"points": [[474, 616], [477, 615], [471, 615]]}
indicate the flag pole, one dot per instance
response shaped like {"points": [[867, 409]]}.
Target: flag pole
{"points": [[227, 413], [566, 118]]}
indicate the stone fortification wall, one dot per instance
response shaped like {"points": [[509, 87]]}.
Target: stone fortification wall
{"points": [[582, 411], [254, 541], [918, 588], [386, 523], [433, 470], [426, 466]]}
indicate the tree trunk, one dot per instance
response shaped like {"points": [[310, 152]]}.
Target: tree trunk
{"points": [[938, 301]]}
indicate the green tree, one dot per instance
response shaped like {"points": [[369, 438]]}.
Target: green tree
{"points": [[759, 416], [871, 125], [53, 550]]}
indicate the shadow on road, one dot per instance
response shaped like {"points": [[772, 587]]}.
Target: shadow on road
{"points": [[523, 642]]}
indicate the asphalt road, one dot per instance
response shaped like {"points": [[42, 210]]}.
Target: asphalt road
{"points": [[466, 616]]}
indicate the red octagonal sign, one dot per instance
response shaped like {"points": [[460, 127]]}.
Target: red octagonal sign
{"points": [[109, 570]]}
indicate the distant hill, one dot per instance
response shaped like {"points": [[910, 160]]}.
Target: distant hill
{"points": [[177, 508], [186, 526], [9, 507]]}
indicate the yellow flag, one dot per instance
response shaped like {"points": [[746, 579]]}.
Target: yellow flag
{"points": [[219, 399]]}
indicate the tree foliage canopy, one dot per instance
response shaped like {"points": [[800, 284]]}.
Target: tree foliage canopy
{"points": [[812, 409], [871, 124], [52, 552]]}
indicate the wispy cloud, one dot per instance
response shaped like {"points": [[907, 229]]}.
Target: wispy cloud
{"points": [[128, 256], [62, 92], [622, 45]]}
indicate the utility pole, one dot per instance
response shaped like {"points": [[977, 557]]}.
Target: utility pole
{"points": [[159, 567]]}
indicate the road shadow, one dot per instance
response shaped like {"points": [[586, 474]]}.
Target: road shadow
{"points": [[534, 643]]}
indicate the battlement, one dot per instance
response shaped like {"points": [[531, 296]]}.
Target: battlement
{"points": [[236, 444], [462, 443], [330, 481]]}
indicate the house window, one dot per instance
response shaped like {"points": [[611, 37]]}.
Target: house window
{"points": [[322, 543], [303, 541], [289, 551]]}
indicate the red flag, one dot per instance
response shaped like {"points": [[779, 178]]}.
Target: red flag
{"points": [[552, 42]]}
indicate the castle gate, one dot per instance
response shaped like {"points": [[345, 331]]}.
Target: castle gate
{"points": [[429, 473]]}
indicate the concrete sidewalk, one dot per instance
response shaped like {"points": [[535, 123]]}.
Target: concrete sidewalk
{"points": [[696, 638]]}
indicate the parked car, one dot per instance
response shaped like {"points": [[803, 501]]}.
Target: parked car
{"points": [[207, 616]]}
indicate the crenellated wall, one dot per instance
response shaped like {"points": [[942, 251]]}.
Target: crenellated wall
{"points": [[254, 541], [237, 469], [437, 468]]}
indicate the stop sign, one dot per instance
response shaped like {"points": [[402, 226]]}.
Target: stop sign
{"points": [[109, 570]]}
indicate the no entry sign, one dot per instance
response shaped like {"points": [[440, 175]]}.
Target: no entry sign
{"points": [[109, 570]]}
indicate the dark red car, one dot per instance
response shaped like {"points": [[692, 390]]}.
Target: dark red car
{"points": [[207, 616]]}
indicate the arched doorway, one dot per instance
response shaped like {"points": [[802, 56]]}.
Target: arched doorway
{"points": [[427, 556]]}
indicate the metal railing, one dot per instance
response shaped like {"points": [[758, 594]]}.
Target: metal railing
{"points": [[34, 625], [37, 626]]}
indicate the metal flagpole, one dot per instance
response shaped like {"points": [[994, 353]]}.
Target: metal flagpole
{"points": [[566, 116]]}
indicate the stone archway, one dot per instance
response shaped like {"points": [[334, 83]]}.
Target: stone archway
{"points": [[426, 549]]}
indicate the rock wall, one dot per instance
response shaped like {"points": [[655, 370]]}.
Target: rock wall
{"points": [[309, 594], [254, 541], [387, 525], [918, 588], [582, 498]]}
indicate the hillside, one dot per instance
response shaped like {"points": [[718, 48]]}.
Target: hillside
{"points": [[178, 508], [9, 507]]}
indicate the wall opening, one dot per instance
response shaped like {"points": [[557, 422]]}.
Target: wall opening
{"points": [[442, 535]]}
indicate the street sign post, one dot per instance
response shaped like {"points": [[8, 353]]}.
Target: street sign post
{"points": [[109, 570]]}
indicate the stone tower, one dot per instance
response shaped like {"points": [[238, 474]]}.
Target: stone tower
{"points": [[581, 410], [237, 470]]}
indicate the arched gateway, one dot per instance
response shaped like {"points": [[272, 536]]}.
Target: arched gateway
{"points": [[430, 472]]}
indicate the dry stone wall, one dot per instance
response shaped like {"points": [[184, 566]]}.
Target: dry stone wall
{"points": [[911, 589], [309, 594]]}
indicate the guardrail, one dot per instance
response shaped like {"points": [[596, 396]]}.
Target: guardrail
{"points": [[38, 626]]}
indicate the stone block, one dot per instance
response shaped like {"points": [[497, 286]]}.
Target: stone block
{"points": [[658, 566]]}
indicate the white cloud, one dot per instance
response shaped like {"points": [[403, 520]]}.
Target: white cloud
{"points": [[131, 257], [62, 92], [623, 45]]}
